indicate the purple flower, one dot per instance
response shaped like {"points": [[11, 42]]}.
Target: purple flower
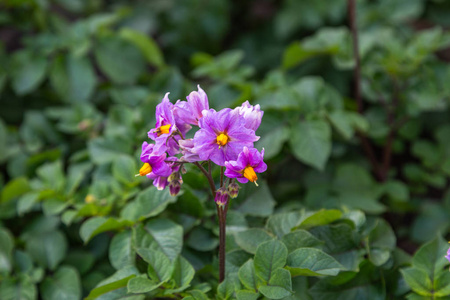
{"points": [[448, 254], [222, 136], [191, 111], [165, 125], [161, 181], [164, 133], [221, 197], [252, 114], [154, 164], [248, 163], [186, 149]]}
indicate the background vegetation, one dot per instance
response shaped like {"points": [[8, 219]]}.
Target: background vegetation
{"points": [[355, 203]]}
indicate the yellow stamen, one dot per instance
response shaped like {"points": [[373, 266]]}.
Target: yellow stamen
{"points": [[250, 174], [164, 129], [145, 169], [222, 139]]}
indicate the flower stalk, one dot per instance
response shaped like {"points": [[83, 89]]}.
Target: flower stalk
{"points": [[223, 137]]}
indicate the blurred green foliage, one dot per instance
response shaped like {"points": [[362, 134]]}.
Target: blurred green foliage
{"points": [[79, 82]]}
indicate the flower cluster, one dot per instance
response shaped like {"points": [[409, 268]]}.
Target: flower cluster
{"points": [[224, 137]]}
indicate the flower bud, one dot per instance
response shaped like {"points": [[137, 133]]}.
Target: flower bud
{"points": [[221, 196], [174, 187], [233, 190], [173, 177]]}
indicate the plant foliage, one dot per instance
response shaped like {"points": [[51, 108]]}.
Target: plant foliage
{"points": [[355, 203]]}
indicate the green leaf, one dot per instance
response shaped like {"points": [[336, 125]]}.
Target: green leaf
{"points": [[73, 78], [322, 217], [6, 248], [121, 251], [341, 242], [364, 284], [282, 223], [53, 206], [114, 285], [340, 120], [356, 188], [279, 286], [183, 273], [382, 242], [250, 239], [107, 149], [430, 257], [269, 256], [27, 71], [141, 284], [146, 44], [149, 203], [13, 289], [300, 239], [260, 201], [81, 260], [15, 188], [326, 41], [202, 239], [97, 225], [312, 262], [234, 260], [418, 280], [397, 190], [48, 249], [273, 141], [246, 295], [124, 169], [197, 295], [311, 142], [4, 149], [189, 202], [64, 284], [160, 234], [247, 275], [225, 289], [441, 284], [119, 60], [52, 175], [160, 268]]}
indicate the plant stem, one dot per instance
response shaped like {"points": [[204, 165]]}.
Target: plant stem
{"points": [[357, 70], [222, 236], [368, 149], [221, 215], [209, 177]]}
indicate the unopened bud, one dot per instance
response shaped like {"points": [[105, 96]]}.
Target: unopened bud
{"points": [[173, 177], [221, 196], [174, 187], [183, 170], [233, 190]]}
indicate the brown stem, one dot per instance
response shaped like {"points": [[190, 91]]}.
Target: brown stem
{"points": [[222, 219], [357, 70], [368, 149], [387, 154], [209, 177], [222, 238], [221, 176]]}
